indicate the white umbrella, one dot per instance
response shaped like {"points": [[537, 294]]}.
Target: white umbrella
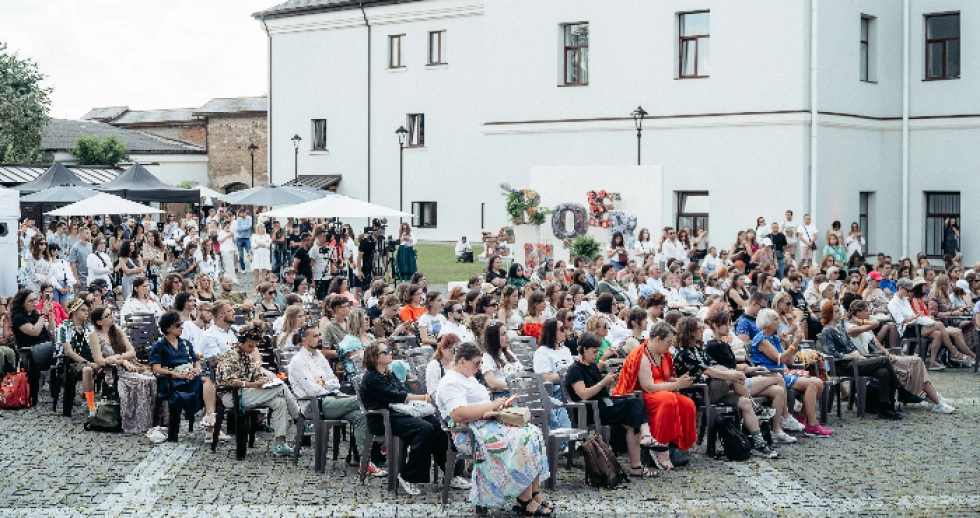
{"points": [[209, 193], [104, 203], [335, 206], [270, 195]]}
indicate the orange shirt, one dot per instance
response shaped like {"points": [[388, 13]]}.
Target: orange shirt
{"points": [[411, 314]]}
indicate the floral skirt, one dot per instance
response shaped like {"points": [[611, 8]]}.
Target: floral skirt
{"points": [[506, 461], [137, 397]]}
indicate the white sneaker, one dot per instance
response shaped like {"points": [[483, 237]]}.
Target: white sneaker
{"points": [[157, 435], [460, 483], [781, 437], [408, 487], [790, 423], [797, 406], [943, 408]]}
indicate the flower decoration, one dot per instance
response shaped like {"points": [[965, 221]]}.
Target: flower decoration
{"points": [[600, 203], [523, 206]]}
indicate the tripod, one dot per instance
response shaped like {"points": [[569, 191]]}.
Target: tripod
{"points": [[384, 262]]}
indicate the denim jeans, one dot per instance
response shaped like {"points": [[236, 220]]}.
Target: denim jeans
{"points": [[244, 245]]}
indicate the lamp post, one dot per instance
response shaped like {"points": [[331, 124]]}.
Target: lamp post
{"points": [[296, 139], [402, 139], [251, 149], [638, 114]]}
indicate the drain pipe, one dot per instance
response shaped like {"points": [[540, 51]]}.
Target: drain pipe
{"points": [[905, 133], [368, 25], [814, 114], [268, 116]]}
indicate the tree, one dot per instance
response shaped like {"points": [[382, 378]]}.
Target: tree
{"points": [[89, 150], [24, 106]]}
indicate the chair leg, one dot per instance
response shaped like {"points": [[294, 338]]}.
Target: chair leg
{"points": [[253, 427], [394, 461], [54, 386], [336, 441], [298, 442], [321, 432], [366, 455], [69, 399], [173, 423], [216, 431], [862, 394], [447, 473], [241, 436], [552, 463]]}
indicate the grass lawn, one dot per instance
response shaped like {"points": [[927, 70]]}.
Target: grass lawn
{"points": [[438, 263]]}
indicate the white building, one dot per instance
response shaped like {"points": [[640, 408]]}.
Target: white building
{"points": [[889, 145]]}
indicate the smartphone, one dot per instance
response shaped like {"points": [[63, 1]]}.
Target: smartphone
{"points": [[510, 401]]}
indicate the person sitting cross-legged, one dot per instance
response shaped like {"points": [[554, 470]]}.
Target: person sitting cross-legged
{"points": [[237, 369], [310, 375]]}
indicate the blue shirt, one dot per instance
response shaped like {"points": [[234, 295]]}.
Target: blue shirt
{"points": [[164, 354], [745, 325], [888, 284], [760, 359], [243, 227]]}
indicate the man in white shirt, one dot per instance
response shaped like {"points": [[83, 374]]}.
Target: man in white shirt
{"points": [[310, 376], [218, 338], [806, 234], [455, 324], [194, 329], [462, 248], [653, 284], [788, 228], [618, 331], [672, 248]]}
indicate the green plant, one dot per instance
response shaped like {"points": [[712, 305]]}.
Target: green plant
{"points": [[90, 150], [187, 184], [24, 106], [524, 201], [585, 246]]}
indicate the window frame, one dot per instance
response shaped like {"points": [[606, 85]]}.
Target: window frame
{"points": [[421, 205], [866, 50], [945, 44], [697, 46], [692, 215], [392, 38], [440, 37], [865, 199], [943, 215], [564, 56], [412, 141], [313, 134]]}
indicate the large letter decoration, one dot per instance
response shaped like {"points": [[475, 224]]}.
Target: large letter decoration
{"points": [[580, 218], [624, 222]]}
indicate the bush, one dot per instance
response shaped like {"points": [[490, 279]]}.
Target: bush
{"points": [[585, 246]]}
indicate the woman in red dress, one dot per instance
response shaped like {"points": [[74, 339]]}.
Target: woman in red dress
{"points": [[673, 417], [535, 316]]}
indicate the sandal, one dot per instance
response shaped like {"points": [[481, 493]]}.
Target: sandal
{"points": [[662, 463], [522, 506], [543, 502], [648, 440], [644, 472], [209, 425]]}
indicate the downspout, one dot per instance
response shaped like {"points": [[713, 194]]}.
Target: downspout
{"points": [[268, 116], [368, 25], [905, 132], [814, 114]]}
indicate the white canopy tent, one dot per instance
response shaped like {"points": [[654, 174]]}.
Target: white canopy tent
{"points": [[207, 192], [104, 203], [335, 206]]}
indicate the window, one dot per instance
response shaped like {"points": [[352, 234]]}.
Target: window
{"points": [[940, 206], [416, 130], [692, 211], [395, 51], [235, 187], [695, 35], [424, 214], [319, 134], [576, 53], [864, 219], [866, 48], [437, 48], [943, 46]]}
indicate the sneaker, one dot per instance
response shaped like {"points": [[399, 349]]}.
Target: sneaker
{"points": [[817, 431], [797, 406], [460, 483], [408, 487], [764, 413], [943, 408], [792, 424], [936, 367], [157, 435], [282, 449], [375, 471], [308, 429], [781, 437], [763, 450]]}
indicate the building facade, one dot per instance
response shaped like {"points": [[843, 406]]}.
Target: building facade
{"points": [[850, 110]]}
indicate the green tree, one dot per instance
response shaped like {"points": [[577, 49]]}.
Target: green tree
{"points": [[89, 150], [24, 106]]}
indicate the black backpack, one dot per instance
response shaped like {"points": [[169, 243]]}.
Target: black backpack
{"points": [[735, 444]]}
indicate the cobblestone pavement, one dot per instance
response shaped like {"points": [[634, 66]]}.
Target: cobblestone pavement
{"points": [[923, 466]]}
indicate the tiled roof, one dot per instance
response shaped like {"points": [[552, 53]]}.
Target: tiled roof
{"points": [[12, 174], [300, 7], [155, 116], [60, 135], [317, 181], [234, 105], [105, 114]]}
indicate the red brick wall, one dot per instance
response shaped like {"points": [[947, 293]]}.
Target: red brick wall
{"points": [[229, 160]]}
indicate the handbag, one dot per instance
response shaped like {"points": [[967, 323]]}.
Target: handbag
{"points": [[107, 417], [925, 321], [622, 258], [514, 416], [413, 408]]}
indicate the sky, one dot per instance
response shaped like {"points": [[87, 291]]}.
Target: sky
{"points": [[145, 54]]}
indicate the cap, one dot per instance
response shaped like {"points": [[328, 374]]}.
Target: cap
{"points": [[767, 242], [875, 276], [826, 285], [75, 304], [904, 282], [489, 288], [918, 281]]}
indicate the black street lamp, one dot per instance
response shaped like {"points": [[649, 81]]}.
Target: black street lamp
{"points": [[638, 114], [296, 139], [402, 140], [251, 149]]}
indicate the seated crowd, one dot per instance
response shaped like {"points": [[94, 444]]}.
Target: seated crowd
{"points": [[653, 333]]}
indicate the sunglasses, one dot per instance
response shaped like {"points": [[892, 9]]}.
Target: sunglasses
{"points": [[385, 351]]}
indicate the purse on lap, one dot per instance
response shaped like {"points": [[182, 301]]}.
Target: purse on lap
{"points": [[514, 416]]}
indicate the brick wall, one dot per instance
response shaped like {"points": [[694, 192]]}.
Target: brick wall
{"points": [[196, 134], [229, 160]]}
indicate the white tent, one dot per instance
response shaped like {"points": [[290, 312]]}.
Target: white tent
{"points": [[104, 203], [335, 206], [208, 192], [9, 216]]}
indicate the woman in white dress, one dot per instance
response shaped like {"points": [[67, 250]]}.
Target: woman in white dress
{"points": [[39, 264], [210, 264], [261, 253], [226, 245], [508, 311], [141, 301], [99, 263]]}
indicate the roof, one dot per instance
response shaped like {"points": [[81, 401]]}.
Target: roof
{"points": [[60, 135], [301, 7], [105, 114], [155, 116], [11, 174], [317, 181], [237, 105]]}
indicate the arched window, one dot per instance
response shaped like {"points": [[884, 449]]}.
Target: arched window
{"points": [[235, 187]]}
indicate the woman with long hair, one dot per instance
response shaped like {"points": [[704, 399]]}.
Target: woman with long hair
{"points": [[643, 247], [115, 242], [168, 292], [204, 286], [268, 303], [293, 319], [29, 324], [141, 301], [185, 305], [61, 276], [137, 386], [413, 308], [441, 362], [129, 265], [495, 273], [550, 357], [210, 264], [432, 321], [99, 263], [477, 325], [153, 258], [616, 252], [358, 338], [38, 263], [508, 312], [498, 361], [339, 286], [406, 252], [535, 316], [951, 337], [47, 298]]}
